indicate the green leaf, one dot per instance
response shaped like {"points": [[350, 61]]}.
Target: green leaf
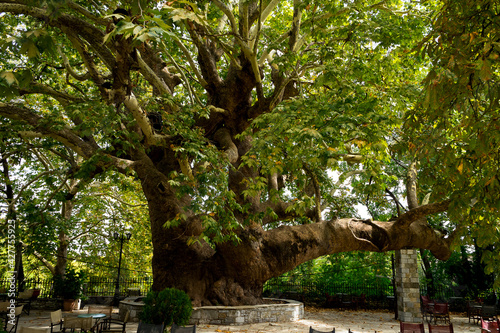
{"points": [[485, 73], [9, 77]]}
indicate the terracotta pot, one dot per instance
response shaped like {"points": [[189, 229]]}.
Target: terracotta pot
{"points": [[71, 304], [36, 293]]}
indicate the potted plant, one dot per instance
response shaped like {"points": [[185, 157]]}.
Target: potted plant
{"points": [[69, 288]]}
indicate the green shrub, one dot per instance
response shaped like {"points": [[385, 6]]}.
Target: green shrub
{"points": [[167, 306], [69, 287]]}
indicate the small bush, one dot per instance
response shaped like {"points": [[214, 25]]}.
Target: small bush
{"points": [[167, 306], [69, 287]]}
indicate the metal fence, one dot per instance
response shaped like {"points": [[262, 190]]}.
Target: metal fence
{"points": [[106, 287], [377, 295], [94, 286], [313, 288], [44, 285]]}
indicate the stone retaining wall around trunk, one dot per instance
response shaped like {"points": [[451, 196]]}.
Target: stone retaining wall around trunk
{"points": [[289, 310]]}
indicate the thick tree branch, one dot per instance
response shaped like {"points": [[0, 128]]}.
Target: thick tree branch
{"points": [[295, 30], [152, 139], [417, 213], [206, 59], [317, 193], [301, 243], [69, 69], [79, 9], [62, 97], [244, 19], [41, 258], [65, 22], [64, 135], [229, 15], [223, 137], [151, 76]]}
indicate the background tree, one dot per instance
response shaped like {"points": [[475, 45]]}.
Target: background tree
{"points": [[233, 115], [61, 218], [457, 120]]}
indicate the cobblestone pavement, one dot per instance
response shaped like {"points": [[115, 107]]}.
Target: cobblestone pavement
{"points": [[320, 319]]}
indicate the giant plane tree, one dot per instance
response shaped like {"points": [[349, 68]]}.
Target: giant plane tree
{"points": [[241, 120]]}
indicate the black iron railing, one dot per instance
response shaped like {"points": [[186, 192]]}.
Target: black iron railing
{"points": [[106, 287], [94, 286]]}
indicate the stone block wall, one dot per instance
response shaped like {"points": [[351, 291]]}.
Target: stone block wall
{"points": [[242, 315], [51, 304], [407, 286]]}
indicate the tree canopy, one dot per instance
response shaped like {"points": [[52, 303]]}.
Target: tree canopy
{"points": [[254, 127]]}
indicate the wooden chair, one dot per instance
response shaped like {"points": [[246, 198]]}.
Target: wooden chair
{"points": [[179, 329], [24, 298], [149, 328], [346, 302], [4, 305], [73, 324], [113, 325], [490, 326], [107, 310], [34, 329], [474, 311], [312, 330], [441, 312], [359, 301], [87, 324], [489, 312], [56, 319], [441, 328], [17, 313], [411, 327], [426, 307], [332, 301]]}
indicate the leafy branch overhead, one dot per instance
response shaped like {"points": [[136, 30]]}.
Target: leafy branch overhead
{"points": [[255, 127]]}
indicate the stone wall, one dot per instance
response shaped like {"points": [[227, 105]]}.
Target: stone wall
{"points": [[407, 286], [240, 315], [132, 307], [51, 304]]}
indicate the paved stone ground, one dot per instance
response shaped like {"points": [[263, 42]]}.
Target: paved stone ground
{"points": [[321, 319]]}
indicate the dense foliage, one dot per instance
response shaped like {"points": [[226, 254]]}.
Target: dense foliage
{"points": [[166, 307], [253, 130], [70, 286]]}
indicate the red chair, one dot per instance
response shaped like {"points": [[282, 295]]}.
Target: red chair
{"points": [[441, 328], [490, 326], [426, 308], [441, 311], [474, 311], [411, 327]]}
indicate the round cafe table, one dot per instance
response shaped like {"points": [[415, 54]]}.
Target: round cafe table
{"points": [[92, 315], [96, 316]]}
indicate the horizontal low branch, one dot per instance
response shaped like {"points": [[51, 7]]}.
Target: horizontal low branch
{"points": [[301, 243]]}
